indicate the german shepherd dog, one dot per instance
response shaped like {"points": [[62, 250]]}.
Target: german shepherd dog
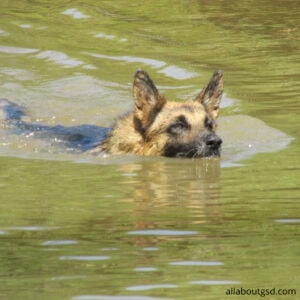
{"points": [[159, 127], [155, 127]]}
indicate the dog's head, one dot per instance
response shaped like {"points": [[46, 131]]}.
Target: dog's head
{"points": [[176, 129]]}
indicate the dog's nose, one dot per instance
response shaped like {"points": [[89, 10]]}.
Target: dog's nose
{"points": [[213, 141]]}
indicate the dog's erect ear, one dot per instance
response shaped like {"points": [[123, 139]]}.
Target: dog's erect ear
{"points": [[211, 95], [148, 101]]}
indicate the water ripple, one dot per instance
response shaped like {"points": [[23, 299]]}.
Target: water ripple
{"points": [[25, 26], [85, 257], [105, 36], [59, 243], [177, 73], [17, 50], [145, 269], [32, 228], [288, 221], [196, 263], [150, 287], [170, 71], [59, 58], [3, 33], [71, 277], [75, 13], [109, 37], [162, 232], [150, 248], [131, 59]]}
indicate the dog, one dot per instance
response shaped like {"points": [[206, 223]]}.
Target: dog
{"points": [[158, 127], [155, 127]]}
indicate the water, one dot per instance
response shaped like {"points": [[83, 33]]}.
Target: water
{"points": [[74, 226]]}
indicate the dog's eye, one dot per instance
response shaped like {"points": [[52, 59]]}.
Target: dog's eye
{"points": [[209, 124], [178, 127]]}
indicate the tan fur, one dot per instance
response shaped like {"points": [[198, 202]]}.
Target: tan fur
{"points": [[156, 126]]}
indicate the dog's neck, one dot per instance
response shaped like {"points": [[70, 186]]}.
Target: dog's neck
{"points": [[123, 138]]}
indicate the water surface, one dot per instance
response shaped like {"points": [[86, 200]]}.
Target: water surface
{"points": [[75, 226]]}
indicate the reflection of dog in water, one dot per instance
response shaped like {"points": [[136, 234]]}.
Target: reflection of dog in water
{"points": [[156, 126]]}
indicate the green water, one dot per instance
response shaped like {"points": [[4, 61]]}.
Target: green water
{"points": [[78, 227]]}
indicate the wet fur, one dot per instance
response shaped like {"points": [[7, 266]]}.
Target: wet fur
{"points": [[158, 127]]}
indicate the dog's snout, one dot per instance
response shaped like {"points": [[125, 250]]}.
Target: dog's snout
{"points": [[213, 141]]}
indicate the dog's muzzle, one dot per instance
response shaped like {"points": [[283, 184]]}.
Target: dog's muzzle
{"points": [[213, 142], [208, 145]]}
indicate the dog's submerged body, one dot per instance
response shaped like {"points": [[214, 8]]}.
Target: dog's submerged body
{"points": [[156, 127]]}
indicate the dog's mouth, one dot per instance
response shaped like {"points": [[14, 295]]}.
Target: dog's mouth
{"points": [[201, 150], [197, 153]]}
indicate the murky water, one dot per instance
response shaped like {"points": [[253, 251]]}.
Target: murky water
{"points": [[75, 226]]}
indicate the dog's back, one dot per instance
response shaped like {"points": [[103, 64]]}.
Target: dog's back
{"points": [[13, 117]]}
